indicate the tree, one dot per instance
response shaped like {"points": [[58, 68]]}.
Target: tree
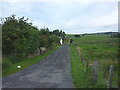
{"points": [[56, 32], [20, 38]]}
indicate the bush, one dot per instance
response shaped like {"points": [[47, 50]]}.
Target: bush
{"points": [[6, 63], [76, 35], [20, 38]]}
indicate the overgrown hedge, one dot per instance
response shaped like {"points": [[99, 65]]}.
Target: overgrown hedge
{"points": [[20, 38]]}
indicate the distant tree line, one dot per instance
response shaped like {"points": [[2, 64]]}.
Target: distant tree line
{"points": [[112, 34], [76, 35], [20, 38]]}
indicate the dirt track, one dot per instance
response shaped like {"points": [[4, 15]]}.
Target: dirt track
{"points": [[51, 72]]}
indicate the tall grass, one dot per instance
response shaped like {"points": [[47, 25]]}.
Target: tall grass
{"points": [[99, 48]]}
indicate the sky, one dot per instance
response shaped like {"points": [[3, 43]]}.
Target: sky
{"points": [[71, 16]]}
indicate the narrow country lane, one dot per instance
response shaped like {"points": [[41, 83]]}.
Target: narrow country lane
{"points": [[51, 72]]}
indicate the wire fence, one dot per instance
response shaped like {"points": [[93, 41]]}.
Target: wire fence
{"points": [[108, 74]]}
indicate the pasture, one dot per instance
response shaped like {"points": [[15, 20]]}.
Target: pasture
{"points": [[101, 48]]}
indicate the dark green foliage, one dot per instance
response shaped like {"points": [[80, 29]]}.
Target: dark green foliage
{"points": [[56, 32], [115, 35], [83, 34], [6, 63], [20, 38], [71, 40], [60, 34], [76, 35]]}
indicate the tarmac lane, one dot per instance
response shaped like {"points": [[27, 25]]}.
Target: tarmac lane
{"points": [[51, 72]]}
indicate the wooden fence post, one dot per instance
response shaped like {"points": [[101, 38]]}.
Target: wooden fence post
{"points": [[95, 70], [110, 76]]}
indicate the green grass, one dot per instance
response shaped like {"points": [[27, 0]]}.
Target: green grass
{"points": [[25, 63], [99, 48], [77, 70]]}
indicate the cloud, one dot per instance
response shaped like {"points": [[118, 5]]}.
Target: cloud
{"points": [[93, 29], [110, 18], [86, 1], [69, 16]]}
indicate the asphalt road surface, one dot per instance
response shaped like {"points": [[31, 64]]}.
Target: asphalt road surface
{"points": [[51, 72]]}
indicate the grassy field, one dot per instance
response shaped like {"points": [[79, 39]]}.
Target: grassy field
{"points": [[25, 63], [99, 48]]}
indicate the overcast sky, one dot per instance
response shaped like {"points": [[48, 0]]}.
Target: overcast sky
{"points": [[72, 16]]}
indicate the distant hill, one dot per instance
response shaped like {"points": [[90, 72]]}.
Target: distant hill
{"points": [[113, 34], [109, 33]]}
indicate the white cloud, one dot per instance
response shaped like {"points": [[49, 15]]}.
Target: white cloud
{"points": [[110, 18], [86, 1], [12, 8], [93, 29], [72, 17]]}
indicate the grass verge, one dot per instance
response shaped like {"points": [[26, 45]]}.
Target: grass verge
{"points": [[77, 70], [25, 63]]}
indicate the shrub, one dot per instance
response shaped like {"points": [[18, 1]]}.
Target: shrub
{"points": [[6, 63]]}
